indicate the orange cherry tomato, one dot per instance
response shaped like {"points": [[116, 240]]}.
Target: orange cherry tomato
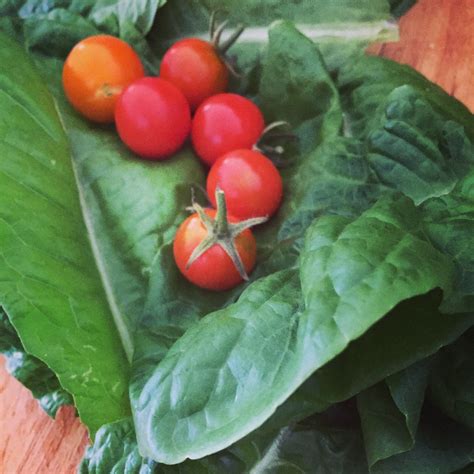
{"points": [[96, 71]]}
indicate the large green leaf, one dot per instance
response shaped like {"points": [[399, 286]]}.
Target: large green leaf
{"points": [[452, 380], [450, 226], [442, 445], [30, 371], [304, 91], [322, 445], [390, 412], [220, 344], [49, 283], [208, 391], [385, 349], [417, 151]]}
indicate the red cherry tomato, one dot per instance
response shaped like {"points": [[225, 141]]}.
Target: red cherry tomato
{"points": [[195, 68], [96, 71], [223, 123], [153, 118], [250, 181], [214, 269]]}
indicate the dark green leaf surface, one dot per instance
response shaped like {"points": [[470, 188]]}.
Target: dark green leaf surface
{"points": [[385, 349], [452, 380], [416, 152], [304, 91], [49, 283], [450, 226], [293, 449], [442, 445], [55, 26], [115, 452], [390, 411]]}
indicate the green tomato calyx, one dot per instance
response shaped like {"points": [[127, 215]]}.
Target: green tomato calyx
{"points": [[222, 232], [222, 46]]}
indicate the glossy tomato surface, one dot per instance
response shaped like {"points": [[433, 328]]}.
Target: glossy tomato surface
{"points": [[153, 118], [214, 269], [223, 123], [250, 181], [95, 73], [195, 68]]}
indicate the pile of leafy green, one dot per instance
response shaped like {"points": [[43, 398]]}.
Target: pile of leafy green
{"points": [[349, 350]]}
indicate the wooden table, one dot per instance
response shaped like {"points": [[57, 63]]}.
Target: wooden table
{"points": [[437, 39]]}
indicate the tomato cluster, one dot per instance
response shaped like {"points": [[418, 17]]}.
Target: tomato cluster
{"points": [[104, 80]]}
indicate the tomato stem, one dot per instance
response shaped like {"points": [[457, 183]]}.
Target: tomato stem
{"points": [[274, 152], [221, 47], [222, 226], [225, 45]]}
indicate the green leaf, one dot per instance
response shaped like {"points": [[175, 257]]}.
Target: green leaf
{"points": [[415, 151], [390, 412], [452, 380], [334, 178], [450, 226], [361, 269], [304, 91], [49, 283], [115, 452], [287, 449], [442, 445], [225, 340], [208, 392], [55, 26], [365, 83], [30, 371], [385, 349]]}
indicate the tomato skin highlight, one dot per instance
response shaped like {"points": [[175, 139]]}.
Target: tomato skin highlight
{"points": [[252, 184], [214, 269], [223, 123], [153, 118], [195, 68], [95, 73]]}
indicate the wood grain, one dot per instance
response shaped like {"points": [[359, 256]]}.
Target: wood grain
{"points": [[437, 38], [30, 441]]}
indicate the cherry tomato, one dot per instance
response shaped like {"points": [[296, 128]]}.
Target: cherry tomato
{"points": [[214, 269], [223, 123], [250, 181], [153, 118], [96, 71], [195, 68]]}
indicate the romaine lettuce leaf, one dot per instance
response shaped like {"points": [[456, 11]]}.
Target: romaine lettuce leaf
{"points": [[50, 285], [390, 412], [30, 371]]}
